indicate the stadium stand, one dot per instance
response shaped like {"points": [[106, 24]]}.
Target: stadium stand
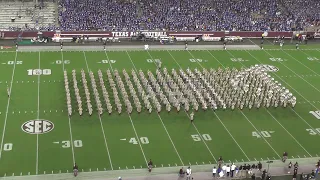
{"points": [[19, 15], [199, 15], [205, 15]]}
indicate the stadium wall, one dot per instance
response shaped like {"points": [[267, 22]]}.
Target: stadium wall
{"points": [[126, 34]]}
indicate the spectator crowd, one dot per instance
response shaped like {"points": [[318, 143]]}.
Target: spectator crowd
{"points": [[203, 15]]}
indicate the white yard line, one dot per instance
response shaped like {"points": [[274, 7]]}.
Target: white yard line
{"points": [[102, 129], [261, 136], [304, 60], [189, 118], [38, 115], [289, 133], [281, 124], [277, 120], [294, 72], [134, 129], [217, 115], [301, 62], [159, 117], [8, 104], [293, 89], [246, 116], [70, 128]]}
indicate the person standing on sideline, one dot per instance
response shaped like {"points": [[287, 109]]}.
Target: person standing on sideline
{"points": [[224, 169], [228, 169], [214, 172], [284, 156], [233, 167], [289, 167], [150, 165], [75, 170], [186, 45], [189, 172]]}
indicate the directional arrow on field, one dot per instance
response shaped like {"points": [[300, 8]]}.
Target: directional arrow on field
{"points": [[124, 139], [56, 142]]}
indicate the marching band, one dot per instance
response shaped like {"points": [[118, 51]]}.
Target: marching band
{"points": [[186, 90]]}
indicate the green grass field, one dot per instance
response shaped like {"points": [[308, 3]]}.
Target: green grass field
{"points": [[107, 142]]}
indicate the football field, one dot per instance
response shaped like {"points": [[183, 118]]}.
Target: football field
{"points": [[38, 137]]}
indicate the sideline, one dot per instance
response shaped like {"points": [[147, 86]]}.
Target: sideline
{"points": [[277, 168]]}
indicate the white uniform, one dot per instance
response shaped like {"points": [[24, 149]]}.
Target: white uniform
{"points": [[214, 172], [189, 172], [191, 116]]}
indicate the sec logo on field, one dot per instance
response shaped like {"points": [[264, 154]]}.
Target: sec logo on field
{"points": [[39, 126]]}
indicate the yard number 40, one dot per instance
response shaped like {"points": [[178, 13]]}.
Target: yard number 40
{"points": [[315, 114]]}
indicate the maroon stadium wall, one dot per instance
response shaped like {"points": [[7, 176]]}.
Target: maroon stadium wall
{"points": [[123, 34]]}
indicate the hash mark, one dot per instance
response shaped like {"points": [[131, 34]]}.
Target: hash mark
{"points": [[12, 174], [126, 167], [21, 174], [261, 159], [51, 172], [298, 156], [292, 156], [255, 159], [305, 156], [317, 155], [28, 173], [242, 160], [90, 169], [82, 169], [59, 171], [67, 170], [229, 161], [210, 162], [140, 167], [176, 164], [268, 158], [236, 160], [203, 162], [97, 169], [44, 172], [162, 165], [133, 167], [169, 165], [196, 163], [155, 165], [274, 158]]}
